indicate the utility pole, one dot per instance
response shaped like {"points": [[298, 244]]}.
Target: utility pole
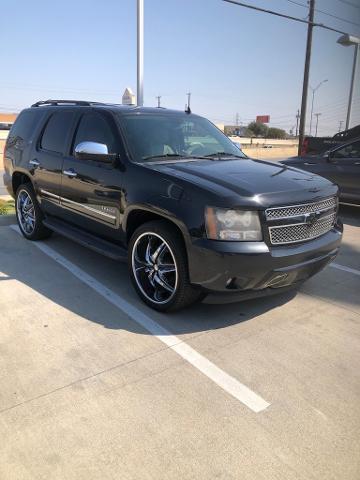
{"points": [[140, 53], [306, 75], [312, 109], [188, 103], [297, 123], [348, 116], [340, 125], [158, 100], [312, 102], [317, 115], [237, 119], [347, 41]]}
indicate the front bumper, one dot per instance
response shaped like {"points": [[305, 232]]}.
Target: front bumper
{"points": [[254, 268]]}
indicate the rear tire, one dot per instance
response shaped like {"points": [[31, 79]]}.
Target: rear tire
{"points": [[157, 262], [29, 214]]}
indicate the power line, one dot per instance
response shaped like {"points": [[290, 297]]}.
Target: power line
{"points": [[349, 3], [283, 15], [338, 18], [324, 13]]}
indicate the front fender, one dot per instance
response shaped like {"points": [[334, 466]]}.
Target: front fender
{"points": [[162, 212]]}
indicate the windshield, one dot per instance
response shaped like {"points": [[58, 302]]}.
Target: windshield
{"points": [[175, 136]]}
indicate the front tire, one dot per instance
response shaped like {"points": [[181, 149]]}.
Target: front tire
{"points": [[158, 267], [29, 214]]}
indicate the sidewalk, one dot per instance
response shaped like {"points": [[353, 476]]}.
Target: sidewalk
{"points": [[3, 192]]}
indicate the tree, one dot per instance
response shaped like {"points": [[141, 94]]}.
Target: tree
{"points": [[257, 129], [276, 133]]}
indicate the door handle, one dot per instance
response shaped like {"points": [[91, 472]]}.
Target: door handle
{"points": [[34, 163], [308, 163], [70, 173], [357, 163]]}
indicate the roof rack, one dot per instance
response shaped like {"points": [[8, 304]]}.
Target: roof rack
{"points": [[81, 103]]}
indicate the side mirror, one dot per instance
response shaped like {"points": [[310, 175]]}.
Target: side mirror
{"points": [[94, 151]]}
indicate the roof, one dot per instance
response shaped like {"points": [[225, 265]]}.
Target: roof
{"points": [[108, 106]]}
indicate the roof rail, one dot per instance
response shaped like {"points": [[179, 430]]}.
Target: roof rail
{"points": [[82, 103]]}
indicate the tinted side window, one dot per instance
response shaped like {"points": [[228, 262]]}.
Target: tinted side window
{"points": [[94, 127], [24, 126], [56, 131], [349, 151]]}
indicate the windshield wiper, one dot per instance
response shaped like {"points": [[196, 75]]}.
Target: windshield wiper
{"points": [[164, 155], [174, 155], [224, 154]]}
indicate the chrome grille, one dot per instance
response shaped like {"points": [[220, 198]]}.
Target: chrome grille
{"points": [[295, 210], [301, 232]]}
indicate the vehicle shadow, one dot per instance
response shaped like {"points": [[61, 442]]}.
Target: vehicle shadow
{"points": [[335, 285], [59, 286], [211, 316]]}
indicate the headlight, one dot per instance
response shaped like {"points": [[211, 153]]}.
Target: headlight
{"points": [[233, 225]]}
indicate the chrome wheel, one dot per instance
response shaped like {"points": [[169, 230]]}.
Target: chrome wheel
{"points": [[25, 212], [154, 267]]}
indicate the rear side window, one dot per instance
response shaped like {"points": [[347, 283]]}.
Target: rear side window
{"points": [[24, 126], [94, 127], [349, 151], [56, 132]]}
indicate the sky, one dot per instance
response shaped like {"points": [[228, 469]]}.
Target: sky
{"points": [[233, 60]]}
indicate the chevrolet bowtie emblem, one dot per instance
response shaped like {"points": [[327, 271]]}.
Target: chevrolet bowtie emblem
{"points": [[310, 218]]}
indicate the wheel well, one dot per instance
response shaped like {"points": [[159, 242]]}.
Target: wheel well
{"points": [[18, 179], [138, 217]]}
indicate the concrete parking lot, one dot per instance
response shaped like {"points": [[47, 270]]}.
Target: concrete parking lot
{"points": [[94, 385]]}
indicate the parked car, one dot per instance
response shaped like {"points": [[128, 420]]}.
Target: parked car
{"points": [[341, 165], [170, 193], [317, 145]]}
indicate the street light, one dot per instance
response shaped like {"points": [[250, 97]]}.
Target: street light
{"points": [[317, 115], [140, 53], [312, 103], [347, 41]]}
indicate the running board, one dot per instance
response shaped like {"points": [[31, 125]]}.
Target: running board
{"points": [[86, 239]]}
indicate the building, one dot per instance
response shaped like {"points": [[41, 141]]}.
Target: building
{"points": [[128, 97], [235, 130], [6, 120]]}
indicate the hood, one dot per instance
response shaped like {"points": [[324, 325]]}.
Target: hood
{"points": [[257, 181], [299, 160]]}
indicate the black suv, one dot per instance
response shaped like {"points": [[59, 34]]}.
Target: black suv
{"points": [[171, 193]]}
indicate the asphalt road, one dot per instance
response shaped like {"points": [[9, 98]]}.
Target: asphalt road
{"points": [[94, 385]]}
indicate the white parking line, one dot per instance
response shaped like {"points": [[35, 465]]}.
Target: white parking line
{"points": [[228, 383], [345, 269]]}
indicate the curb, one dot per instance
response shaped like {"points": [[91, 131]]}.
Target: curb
{"points": [[6, 220]]}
